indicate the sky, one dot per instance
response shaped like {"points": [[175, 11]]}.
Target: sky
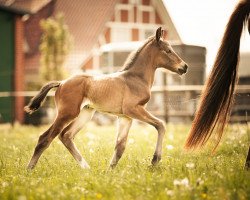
{"points": [[202, 22]]}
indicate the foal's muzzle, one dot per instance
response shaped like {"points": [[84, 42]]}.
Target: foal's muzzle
{"points": [[183, 69]]}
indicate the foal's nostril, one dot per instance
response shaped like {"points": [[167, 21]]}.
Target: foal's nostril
{"points": [[183, 70], [185, 67]]}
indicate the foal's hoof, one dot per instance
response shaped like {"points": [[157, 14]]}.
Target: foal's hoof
{"points": [[84, 165], [156, 159], [30, 167], [112, 166], [247, 166]]}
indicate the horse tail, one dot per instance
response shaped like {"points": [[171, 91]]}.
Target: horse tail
{"points": [[249, 26], [218, 94], [37, 100]]}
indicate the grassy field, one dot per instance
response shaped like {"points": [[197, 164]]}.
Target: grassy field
{"points": [[180, 175]]}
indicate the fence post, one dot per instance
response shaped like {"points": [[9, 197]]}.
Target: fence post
{"points": [[165, 98]]}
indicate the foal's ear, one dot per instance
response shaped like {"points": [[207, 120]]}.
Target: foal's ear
{"points": [[158, 34]]}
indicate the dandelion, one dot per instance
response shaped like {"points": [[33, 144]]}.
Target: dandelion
{"points": [[98, 195], [190, 165], [170, 147], [204, 195], [91, 150]]}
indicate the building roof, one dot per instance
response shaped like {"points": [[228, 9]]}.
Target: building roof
{"points": [[173, 35], [86, 21], [23, 6]]}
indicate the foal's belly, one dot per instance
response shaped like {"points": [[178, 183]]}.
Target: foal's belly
{"points": [[105, 107], [106, 95]]}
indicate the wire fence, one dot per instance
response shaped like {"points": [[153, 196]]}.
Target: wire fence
{"points": [[175, 103], [179, 103]]}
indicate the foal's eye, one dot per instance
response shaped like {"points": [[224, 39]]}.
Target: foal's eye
{"points": [[168, 51]]}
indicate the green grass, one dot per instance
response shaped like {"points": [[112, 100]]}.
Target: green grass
{"points": [[180, 175]]}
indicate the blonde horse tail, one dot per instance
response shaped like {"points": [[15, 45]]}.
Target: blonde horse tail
{"points": [[218, 94], [37, 100]]}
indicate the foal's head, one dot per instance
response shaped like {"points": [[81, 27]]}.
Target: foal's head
{"points": [[166, 57]]}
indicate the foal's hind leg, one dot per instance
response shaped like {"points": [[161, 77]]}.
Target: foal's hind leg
{"points": [[124, 125], [46, 138], [141, 114], [71, 130]]}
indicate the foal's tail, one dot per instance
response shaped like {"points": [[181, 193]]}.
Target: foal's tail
{"points": [[217, 97], [37, 100]]}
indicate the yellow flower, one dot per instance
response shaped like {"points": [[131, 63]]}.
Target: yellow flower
{"points": [[98, 195], [204, 195]]}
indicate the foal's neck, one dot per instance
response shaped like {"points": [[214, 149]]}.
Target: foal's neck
{"points": [[144, 68]]}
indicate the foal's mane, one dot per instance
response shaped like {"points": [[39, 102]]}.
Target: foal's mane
{"points": [[134, 55]]}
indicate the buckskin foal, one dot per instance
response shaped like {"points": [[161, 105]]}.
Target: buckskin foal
{"points": [[124, 94]]}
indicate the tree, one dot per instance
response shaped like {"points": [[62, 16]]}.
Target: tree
{"points": [[55, 45]]}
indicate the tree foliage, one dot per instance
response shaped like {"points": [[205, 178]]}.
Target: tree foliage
{"points": [[55, 45]]}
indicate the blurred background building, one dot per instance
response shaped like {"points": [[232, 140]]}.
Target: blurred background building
{"points": [[104, 33]]}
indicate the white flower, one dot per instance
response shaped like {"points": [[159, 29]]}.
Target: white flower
{"points": [[169, 147], [185, 182], [199, 181], [5, 184], [170, 192], [181, 182], [90, 143], [90, 136], [190, 165], [177, 182], [131, 141], [171, 136], [146, 132]]}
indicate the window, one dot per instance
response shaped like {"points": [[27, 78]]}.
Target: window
{"points": [[145, 14], [138, 2], [121, 34], [124, 13]]}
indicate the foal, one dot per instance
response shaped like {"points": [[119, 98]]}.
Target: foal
{"points": [[124, 94]]}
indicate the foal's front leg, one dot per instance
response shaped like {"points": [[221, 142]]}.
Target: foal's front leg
{"points": [[124, 125], [141, 114]]}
